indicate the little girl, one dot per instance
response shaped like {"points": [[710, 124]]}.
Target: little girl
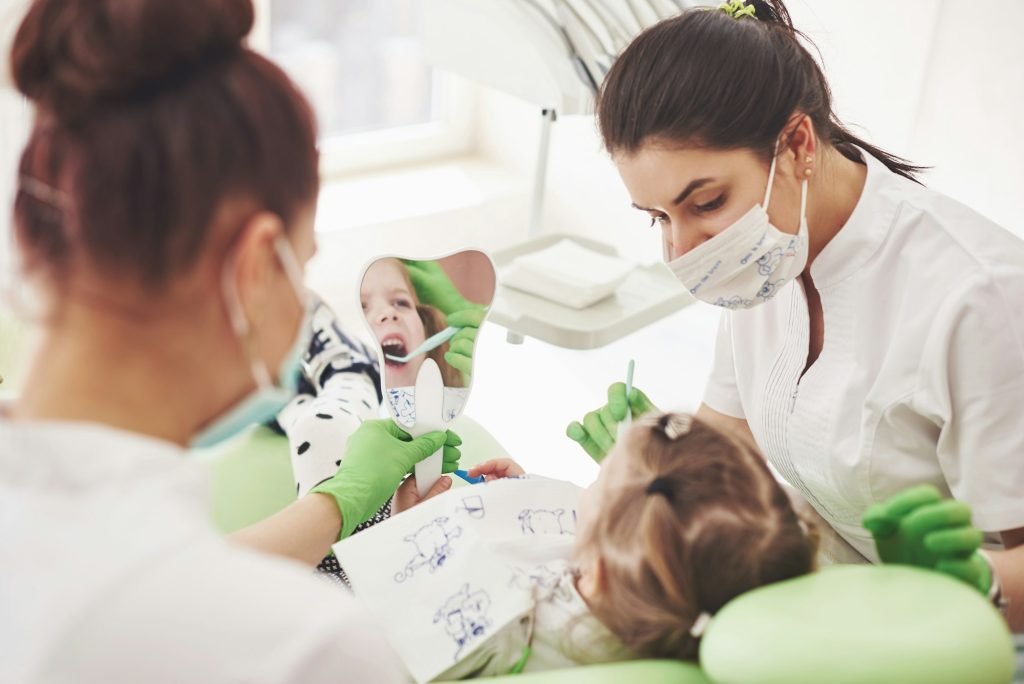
{"points": [[681, 519]]}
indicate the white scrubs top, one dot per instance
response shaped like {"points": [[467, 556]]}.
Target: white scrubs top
{"points": [[111, 572], [921, 377]]}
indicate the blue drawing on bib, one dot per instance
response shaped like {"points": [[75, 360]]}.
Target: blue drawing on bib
{"points": [[433, 546], [465, 616], [473, 506], [544, 521], [543, 580], [403, 405]]}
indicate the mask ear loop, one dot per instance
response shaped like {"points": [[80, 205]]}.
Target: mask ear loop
{"points": [[771, 181], [291, 266], [240, 324], [803, 203], [771, 176]]}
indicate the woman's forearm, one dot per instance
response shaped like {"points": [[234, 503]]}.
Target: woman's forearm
{"points": [[304, 531]]}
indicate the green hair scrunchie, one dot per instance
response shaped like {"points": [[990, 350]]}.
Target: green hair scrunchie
{"points": [[737, 9]]}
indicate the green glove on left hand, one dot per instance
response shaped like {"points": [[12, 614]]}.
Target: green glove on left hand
{"points": [[377, 457], [917, 527], [599, 429], [434, 287]]}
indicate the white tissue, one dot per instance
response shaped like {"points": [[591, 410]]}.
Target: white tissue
{"points": [[567, 273]]}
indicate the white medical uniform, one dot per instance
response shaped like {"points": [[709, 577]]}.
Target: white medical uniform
{"points": [[111, 572], [921, 376]]}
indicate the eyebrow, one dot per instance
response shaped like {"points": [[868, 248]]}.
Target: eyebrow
{"points": [[681, 197]]}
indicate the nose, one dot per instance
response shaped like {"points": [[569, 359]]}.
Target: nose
{"points": [[677, 241], [388, 313]]}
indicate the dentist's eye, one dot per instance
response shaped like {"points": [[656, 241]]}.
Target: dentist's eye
{"points": [[658, 219], [710, 206]]}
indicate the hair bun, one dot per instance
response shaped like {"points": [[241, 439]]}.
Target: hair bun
{"points": [[73, 55]]}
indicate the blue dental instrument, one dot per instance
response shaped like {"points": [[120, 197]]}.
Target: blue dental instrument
{"points": [[464, 474], [429, 344]]}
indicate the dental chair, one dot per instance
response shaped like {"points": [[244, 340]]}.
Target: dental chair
{"points": [[843, 625]]}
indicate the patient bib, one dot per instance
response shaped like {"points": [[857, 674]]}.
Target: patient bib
{"points": [[445, 576]]}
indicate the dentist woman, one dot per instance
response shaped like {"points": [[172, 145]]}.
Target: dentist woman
{"points": [[164, 214], [873, 332]]}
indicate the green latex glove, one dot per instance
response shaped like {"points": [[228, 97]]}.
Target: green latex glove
{"points": [[434, 287], [377, 457], [460, 347], [597, 433], [917, 527]]}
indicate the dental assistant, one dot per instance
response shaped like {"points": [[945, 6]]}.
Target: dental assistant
{"points": [[164, 215], [872, 336]]}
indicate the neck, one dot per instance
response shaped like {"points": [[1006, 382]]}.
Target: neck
{"points": [[148, 374], [834, 193]]}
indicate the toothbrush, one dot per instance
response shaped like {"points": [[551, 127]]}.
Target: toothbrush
{"points": [[629, 388], [429, 344]]}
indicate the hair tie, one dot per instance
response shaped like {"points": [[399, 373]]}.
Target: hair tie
{"points": [[700, 625], [737, 9], [661, 485], [675, 425]]}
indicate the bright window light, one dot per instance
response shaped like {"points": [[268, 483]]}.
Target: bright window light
{"points": [[362, 65]]}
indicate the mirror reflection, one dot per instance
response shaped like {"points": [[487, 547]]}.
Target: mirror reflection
{"points": [[427, 309]]}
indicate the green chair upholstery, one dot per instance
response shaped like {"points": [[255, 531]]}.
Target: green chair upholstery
{"points": [[856, 624], [636, 672], [252, 478]]}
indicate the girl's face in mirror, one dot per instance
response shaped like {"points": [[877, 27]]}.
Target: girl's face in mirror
{"points": [[390, 307]]}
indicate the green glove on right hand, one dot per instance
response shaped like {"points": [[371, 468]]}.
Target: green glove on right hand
{"points": [[377, 457], [434, 287], [917, 527], [597, 433]]}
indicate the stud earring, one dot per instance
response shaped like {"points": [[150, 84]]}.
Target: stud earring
{"points": [[807, 171], [808, 159]]}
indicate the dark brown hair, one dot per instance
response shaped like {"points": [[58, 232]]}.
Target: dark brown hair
{"points": [[704, 78], [690, 519], [152, 116]]}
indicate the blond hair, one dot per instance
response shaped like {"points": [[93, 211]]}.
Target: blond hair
{"points": [[691, 518]]}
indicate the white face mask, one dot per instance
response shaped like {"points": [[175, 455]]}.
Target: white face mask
{"points": [[748, 262], [270, 395]]}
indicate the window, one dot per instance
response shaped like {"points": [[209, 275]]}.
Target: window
{"points": [[362, 65]]}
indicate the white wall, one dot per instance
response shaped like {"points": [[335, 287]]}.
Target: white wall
{"points": [[14, 126], [969, 119]]}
